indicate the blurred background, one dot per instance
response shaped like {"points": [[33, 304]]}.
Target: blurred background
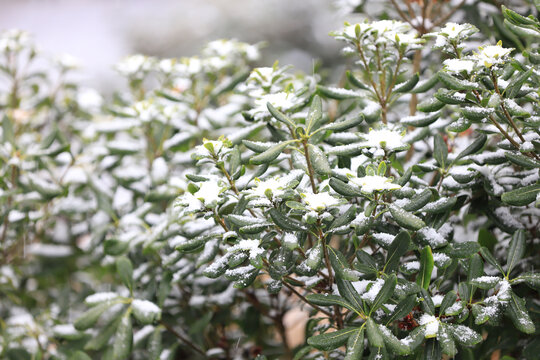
{"points": [[101, 32]]}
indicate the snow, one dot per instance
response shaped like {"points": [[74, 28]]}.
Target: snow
{"points": [[280, 100], [490, 55], [459, 65], [453, 30], [431, 235], [252, 246], [373, 291], [440, 258], [290, 240], [371, 183], [463, 333], [49, 250], [527, 146], [504, 215], [385, 238], [455, 308], [64, 330], [435, 204], [320, 201], [240, 271], [412, 266], [437, 300], [100, 297], [431, 323], [209, 193], [384, 138], [16, 215], [361, 285], [146, 309]]}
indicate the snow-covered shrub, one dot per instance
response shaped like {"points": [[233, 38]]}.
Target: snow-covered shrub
{"points": [[398, 209]]}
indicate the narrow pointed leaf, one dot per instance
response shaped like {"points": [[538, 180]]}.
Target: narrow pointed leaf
{"points": [[318, 160], [406, 219], [398, 247], [426, 267], [374, 335], [516, 250], [123, 340], [355, 345], [124, 269], [331, 340], [271, 154]]}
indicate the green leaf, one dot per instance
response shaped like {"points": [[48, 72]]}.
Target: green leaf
{"points": [[448, 300], [404, 179], [330, 300], [476, 113], [430, 105], [278, 115], [318, 160], [432, 350], [315, 114], [8, 136], [124, 269], [516, 250], [355, 81], [450, 97], [271, 154], [421, 120], [79, 355], [374, 335], [345, 124], [397, 248], [486, 254], [331, 340], [105, 334], [145, 311], [518, 314], [476, 269], [349, 293], [257, 146], [337, 93], [385, 293], [355, 345], [91, 316], [454, 83], [426, 267], [155, 344], [474, 147], [521, 196], [340, 265], [440, 150], [285, 222], [446, 340], [418, 201], [517, 19], [407, 85], [402, 309], [392, 342], [425, 85], [464, 335], [522, 160], [123, 340], [517, 82], [343, 188], [440, 206], [345, 218], [406, 219]]}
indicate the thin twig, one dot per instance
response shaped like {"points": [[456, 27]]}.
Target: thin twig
{"points": [[181, 337]]}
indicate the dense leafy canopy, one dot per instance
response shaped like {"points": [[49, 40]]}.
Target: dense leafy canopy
{"points": [[187, 217]]}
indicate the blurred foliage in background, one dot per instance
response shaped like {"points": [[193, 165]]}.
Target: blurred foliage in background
{"points": [[382, 205]]}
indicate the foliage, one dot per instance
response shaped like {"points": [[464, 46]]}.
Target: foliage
{"points": [[187, 217]]}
